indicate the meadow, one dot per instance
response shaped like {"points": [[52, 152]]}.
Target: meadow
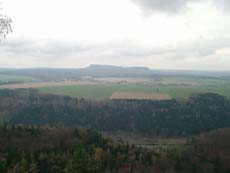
{"points": [[104, 88], [15, 78], [195, 80], [104, 91]]}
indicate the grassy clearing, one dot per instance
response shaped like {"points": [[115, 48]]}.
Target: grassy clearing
{"points": [[104, 91], [147, 141], [96, 92], [195, 80], [13, 78], [180, 91]]}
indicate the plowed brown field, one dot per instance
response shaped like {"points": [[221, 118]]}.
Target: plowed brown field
{"points": [[140, 96]]}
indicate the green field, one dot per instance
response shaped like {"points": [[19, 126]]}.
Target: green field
{"points": [[175, 86], [14, 78], [105, 91], [196, 80]]}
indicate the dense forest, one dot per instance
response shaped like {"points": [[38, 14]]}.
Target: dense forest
{"points": [[57, 149], [43, 133], [200, 113]]}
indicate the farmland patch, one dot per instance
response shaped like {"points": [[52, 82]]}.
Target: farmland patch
{"points": [[139, 96]]}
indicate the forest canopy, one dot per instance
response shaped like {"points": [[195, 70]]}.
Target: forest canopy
{"points": [[200, 113]]}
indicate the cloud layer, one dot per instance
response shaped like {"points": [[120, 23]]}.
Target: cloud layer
{"points": [[162, 5], [203, 54], [175, 6], [194, 34]]}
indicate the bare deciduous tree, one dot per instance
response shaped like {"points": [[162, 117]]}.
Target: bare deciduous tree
{"points": [[5, 26]]}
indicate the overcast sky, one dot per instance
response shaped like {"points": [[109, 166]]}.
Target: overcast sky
{"points": [[163, 34]]}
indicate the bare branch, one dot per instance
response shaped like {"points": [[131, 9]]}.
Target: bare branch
{"points": [[5, 26]]}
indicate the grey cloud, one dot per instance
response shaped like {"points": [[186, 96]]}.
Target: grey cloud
{"points": [[207, 47], [200, 49], [45, 52], [170, 6], [175, 6], [224, 4], [40, 48]]}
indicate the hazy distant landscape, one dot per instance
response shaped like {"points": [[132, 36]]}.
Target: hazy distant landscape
{"points": [[115, 86], [101, 81]]}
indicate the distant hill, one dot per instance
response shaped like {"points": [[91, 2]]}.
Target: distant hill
{"points": [[115, 71], [92, 70], [104, 71]]}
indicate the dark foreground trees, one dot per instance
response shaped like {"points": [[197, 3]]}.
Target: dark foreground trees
{"points": [[60, 149]]}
